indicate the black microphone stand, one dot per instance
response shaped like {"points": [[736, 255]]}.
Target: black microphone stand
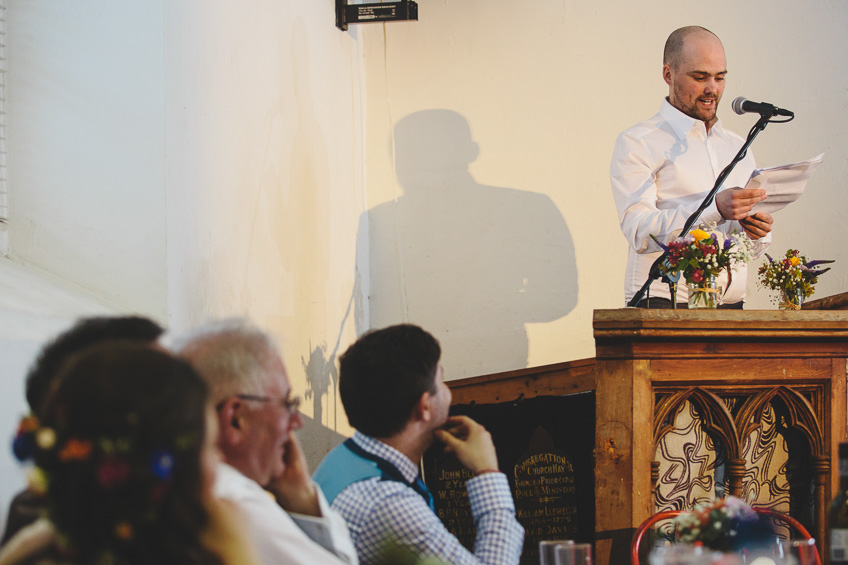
{"points": [[655, 271]]}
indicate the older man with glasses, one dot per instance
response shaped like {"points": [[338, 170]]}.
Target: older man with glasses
{"points": [[257, 418]]}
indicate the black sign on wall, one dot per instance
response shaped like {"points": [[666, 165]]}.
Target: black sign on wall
{"points": [[545, 447]]}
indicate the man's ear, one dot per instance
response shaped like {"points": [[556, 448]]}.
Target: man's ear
{"points": [[230, 417], [423, 410], [666, 72]]}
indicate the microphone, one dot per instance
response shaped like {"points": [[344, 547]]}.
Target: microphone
{"points": [[742, 105]]}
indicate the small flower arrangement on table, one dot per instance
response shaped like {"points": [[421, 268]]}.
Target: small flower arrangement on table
{"points": [[724, 525], [700, 256], [793, 276]]}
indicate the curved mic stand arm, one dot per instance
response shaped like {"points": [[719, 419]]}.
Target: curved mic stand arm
{"points": [[655, 272]]}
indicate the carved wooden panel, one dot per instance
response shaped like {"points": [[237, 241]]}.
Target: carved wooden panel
{"points": [[758, 446]]}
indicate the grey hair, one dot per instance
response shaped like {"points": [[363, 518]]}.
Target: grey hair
{"points": [[231, 355]]}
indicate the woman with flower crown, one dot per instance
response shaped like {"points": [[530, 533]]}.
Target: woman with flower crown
{"points": [[125, 459]]}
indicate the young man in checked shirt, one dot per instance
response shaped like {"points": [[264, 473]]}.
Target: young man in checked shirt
{"points": [[393, 393]]}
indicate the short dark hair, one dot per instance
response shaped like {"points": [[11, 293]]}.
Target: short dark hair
{"points": [[383, 375], [85, 333], [140, 414]]}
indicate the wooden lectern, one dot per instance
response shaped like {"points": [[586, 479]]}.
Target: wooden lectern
{"points": [[742, 378], [834, 302]]}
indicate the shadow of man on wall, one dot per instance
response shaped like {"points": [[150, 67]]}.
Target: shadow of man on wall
{"points": [[471, 263]]}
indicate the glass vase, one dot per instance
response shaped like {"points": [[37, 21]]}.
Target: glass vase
{"points": [[704, 294], [791, 299]]}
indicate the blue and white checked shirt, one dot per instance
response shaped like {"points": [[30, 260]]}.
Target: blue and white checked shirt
{"points": [[377, 511]]}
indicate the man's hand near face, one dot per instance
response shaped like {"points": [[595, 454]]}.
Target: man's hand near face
{"points": [[470, 442], [294, 488]]}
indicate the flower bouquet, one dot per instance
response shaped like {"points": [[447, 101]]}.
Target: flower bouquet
{"points": [[726, 525], [793, 276], [701, 256]]}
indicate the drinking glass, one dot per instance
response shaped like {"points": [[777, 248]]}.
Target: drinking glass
{"points": [[564, 552], [547, 550], [796, 552], [573, 554]]}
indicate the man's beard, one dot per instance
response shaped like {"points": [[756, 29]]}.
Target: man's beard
{"points": [[705, 115]]}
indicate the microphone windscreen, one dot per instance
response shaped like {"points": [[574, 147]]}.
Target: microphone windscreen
{"points": [[737, 104]]}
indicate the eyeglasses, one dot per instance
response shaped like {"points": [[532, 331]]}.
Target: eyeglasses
{"points": [[290, 403]]}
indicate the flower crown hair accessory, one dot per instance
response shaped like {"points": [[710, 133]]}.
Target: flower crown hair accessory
{"points": [[111, 461]]}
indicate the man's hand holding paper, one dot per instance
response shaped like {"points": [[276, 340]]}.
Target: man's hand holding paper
{"points": [[739, 203], [758, 225], [782, 184]]}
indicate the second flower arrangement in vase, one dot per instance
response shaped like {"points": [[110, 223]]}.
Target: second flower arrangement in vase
{"points": [[700, 257], [793, 276]]}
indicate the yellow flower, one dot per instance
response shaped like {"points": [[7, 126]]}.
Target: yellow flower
{"points": [[795, 261], [699, 235], [37, 481]]}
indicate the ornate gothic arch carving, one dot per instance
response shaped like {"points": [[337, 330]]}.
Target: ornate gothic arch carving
{"points": [[695, 452], [715, 417], [799, 414]]}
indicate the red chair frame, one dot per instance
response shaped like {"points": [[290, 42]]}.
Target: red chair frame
{"points": [[651, 520]]}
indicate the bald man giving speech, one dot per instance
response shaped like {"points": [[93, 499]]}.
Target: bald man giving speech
{"points": [[663, 168]]}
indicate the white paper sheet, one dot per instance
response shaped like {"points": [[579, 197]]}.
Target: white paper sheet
{"points": [[783, 184]]}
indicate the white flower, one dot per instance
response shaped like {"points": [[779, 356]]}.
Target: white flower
{"points": [[45, 438]]}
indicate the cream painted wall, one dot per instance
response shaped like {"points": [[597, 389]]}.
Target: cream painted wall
{"points": [[490, 125], [264, 178], [86, 174], [194, 159]]}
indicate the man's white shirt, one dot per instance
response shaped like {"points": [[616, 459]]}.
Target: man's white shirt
{"points": [[661, 170], [280, 537]]}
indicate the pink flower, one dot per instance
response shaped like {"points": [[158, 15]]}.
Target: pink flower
{"points": [[697, 275], [112, 472]]}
